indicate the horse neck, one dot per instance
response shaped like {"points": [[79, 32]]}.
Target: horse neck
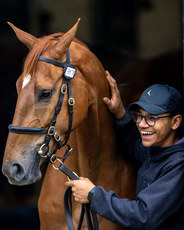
{"points": [[94, 141]]}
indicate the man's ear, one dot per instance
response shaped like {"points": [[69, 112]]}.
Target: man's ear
{"points": [[176, 121]]}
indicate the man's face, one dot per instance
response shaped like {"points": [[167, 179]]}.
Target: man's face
{"points": [[161, 134]]}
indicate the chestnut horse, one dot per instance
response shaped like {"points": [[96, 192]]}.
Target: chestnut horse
{"points": [[92, 137]]}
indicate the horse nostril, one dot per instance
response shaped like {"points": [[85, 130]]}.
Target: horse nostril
{"points": [[16, 171]]}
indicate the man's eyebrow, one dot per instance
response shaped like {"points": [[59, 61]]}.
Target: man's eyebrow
{"points": [[137, 111], [150, 114]]}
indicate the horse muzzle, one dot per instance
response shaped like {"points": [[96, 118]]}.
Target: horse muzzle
{"points": [[18, 173]]}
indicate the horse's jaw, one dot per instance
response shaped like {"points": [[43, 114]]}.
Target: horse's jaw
{"points": [[23, 171]]}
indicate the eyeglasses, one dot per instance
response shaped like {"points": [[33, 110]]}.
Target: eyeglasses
{"points": [[150, 120]]}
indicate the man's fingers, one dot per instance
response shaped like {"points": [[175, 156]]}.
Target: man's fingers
{"points": [[106, 100], [110, 78], [72, 182], [83, 178], [69, 183], [113, 86], [112, 81], [109, 75]]}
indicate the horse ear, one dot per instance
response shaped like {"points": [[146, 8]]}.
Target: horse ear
{"points": [[24, 37], [66, 39]]}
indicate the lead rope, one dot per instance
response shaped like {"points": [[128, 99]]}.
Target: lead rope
{"points": [[91, 218]]}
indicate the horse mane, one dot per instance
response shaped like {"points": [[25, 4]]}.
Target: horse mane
{"points": [[44, 42]]}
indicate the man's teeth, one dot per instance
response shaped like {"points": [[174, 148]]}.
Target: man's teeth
{"points": [[146, 133]]}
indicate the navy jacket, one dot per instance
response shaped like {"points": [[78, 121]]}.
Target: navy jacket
{"points": [[159, 200]]}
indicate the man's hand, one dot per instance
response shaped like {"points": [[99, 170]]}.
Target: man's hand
{"points": [[114, 104], [80, 189]]}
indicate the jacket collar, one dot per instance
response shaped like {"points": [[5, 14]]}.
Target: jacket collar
{"points": [[157, 153]]}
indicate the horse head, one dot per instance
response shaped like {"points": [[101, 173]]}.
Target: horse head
{"points": [[39, 88]]}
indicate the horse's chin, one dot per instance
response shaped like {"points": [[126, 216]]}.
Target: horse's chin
{"points": [[27, 180]]}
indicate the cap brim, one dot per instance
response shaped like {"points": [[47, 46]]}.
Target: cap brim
{"points": [[148, 107]]}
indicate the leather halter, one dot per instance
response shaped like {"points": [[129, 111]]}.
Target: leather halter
{"points": [[69, 72]]}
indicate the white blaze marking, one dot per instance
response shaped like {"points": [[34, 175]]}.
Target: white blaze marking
{"points": [[26, 80]]}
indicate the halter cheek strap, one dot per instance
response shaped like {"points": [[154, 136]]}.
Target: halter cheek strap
{"points": [[69, 72]]}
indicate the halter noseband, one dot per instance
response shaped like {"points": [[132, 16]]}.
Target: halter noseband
{"points": [[69, 72]]}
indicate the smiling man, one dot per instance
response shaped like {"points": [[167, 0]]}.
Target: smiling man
{"points": [[150, 133], [158, 115]]}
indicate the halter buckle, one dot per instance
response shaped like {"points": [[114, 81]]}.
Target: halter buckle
{"points": [[51, 130], [57, 136], [54, 161], [64, 89], [71, 101]]}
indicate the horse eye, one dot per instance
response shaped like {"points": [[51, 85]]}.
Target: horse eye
{"points": [[45, 94]]}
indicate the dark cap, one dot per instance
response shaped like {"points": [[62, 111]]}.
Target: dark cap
{"points": [[158, 99]]}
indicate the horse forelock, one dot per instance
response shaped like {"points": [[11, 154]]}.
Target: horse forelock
{"points": [[32, 58]]}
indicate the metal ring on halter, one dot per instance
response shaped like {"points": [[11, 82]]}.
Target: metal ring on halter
{"points": [[55, 162], [51, 130], [64, 89], [71, 101], [40, 151]]}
